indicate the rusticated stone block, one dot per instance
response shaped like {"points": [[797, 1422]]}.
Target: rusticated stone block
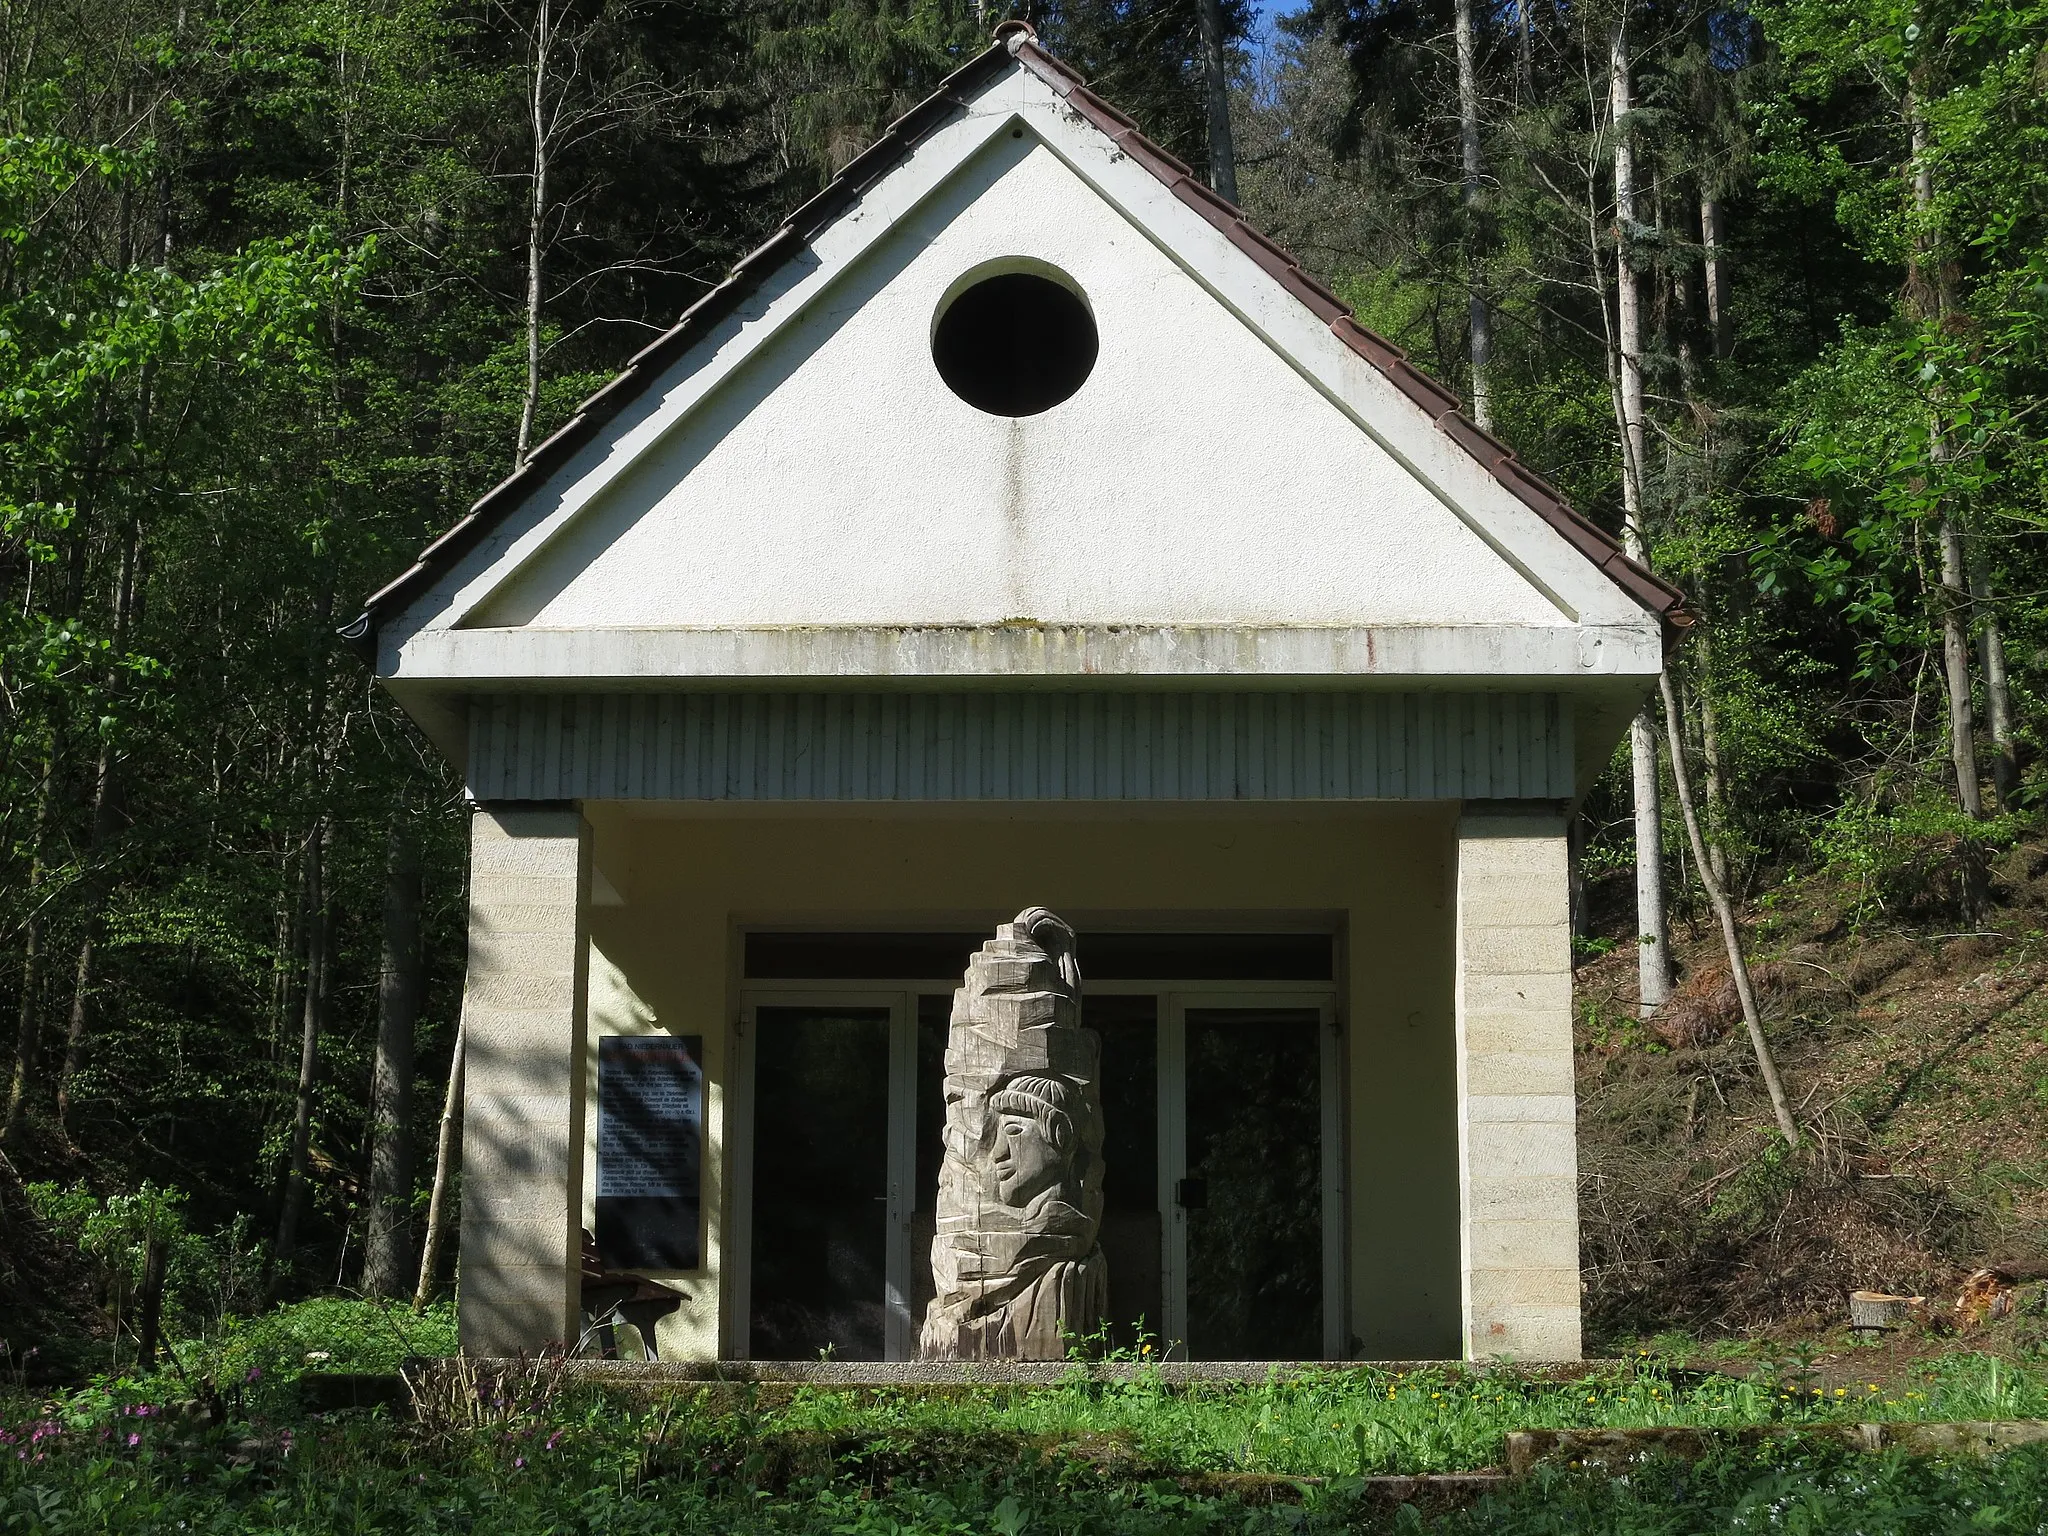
{"points": [[522, 1023], [1517, 1137]]}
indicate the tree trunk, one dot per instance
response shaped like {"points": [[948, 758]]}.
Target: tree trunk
{"points": [[387, 1244], [1955, 658], [1575, 880], [284, 965], [1627, 291], [319, 935], [1710, 752], [1525, 53], [1719, 320], [103, 807], [1216, 88], [82, 976], [28, 1025], [536, 223], [1479, 316], [447, 1148], [1653, 965], [1927, 290], [2005, 762], [1653, 938], [1731, 932], [29, 1019], [1676, 303], [74, 1032], [149, 1333]]}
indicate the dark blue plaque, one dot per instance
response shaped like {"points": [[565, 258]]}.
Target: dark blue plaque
{"points": [[650, 1125]]}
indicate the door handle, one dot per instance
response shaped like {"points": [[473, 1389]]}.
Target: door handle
{"points": [[1191, 1194]]}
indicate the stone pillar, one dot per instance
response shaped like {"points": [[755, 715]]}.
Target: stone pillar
{"points": [[522, 1117], [1517, 1130]]}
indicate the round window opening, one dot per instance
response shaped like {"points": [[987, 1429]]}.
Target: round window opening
{"points": [[1015, 344]]}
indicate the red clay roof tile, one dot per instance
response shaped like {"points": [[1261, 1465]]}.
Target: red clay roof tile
{"points": [[1102, 113], [1370, 345]]}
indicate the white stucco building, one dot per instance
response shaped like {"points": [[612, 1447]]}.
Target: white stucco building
{"points": [[1019, 526]]}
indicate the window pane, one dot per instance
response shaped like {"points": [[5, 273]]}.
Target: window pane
{"points": [[1129, 1030], [934, 1019]]}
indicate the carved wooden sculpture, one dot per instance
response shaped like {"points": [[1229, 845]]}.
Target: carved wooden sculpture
{"points": [[1015, 1259]]}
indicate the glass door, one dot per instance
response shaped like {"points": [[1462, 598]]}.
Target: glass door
{"points": [[823, 1193], [1223, 1214], [1132, 1227], [1249, 1138]]}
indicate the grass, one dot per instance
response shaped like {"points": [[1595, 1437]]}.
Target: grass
{"points": [[1362, 1423], [1124, 1459]]}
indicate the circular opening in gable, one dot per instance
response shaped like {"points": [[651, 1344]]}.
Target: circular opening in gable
{"points": [[1015, 344]]}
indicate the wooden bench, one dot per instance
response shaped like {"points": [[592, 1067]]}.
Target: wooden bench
{"points": [[609, 1299]]}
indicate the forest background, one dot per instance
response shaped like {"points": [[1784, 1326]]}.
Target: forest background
{"points": [[286, 284]]}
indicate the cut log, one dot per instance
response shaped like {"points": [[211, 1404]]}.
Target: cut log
{"points": [[1987, 1295]]}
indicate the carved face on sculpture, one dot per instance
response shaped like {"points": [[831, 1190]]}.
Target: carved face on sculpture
{"points": [[1026, 1163], [1034, 1146]]}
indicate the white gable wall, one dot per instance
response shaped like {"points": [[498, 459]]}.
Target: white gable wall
{"points": [[1196, 478], [1235, 498]]}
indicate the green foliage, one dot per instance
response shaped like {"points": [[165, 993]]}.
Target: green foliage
{"points": [[1315, 1423], [259, 320], [1891, 1495], [116, 1231], [1144, 55], [1877, 374], [843, 70]]}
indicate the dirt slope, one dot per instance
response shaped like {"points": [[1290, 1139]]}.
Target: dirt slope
{"points": [[1915, 1048]]}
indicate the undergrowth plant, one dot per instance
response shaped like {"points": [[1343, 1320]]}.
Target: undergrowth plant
{"points": [[528, 1450]]}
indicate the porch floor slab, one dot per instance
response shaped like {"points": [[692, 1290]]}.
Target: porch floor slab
{"points": [[1024, 1373]]}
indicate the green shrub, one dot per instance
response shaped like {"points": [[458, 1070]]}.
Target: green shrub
{"points": [[208, 1279], [1908, 860], [328, 1334]]}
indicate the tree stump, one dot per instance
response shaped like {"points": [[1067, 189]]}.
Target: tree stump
{"points": [[1875, 1312]]}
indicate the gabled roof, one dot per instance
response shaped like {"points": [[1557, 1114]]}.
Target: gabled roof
{"points": [[1015, 41]]}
